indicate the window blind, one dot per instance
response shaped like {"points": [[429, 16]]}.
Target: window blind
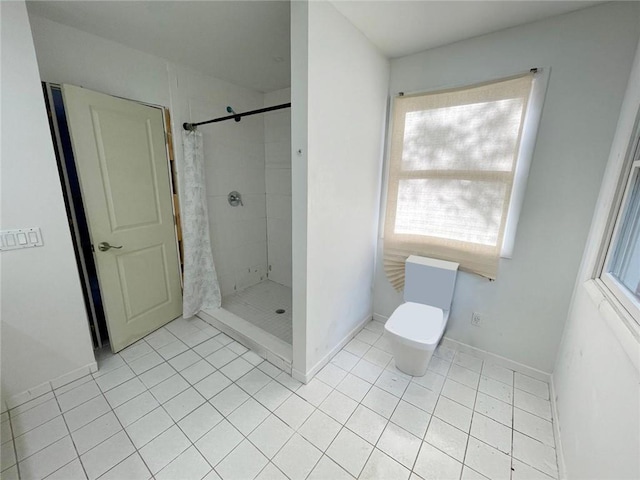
{"points": [[452, 162]]}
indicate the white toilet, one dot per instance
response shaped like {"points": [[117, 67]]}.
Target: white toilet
{"points": [[415, 327]]}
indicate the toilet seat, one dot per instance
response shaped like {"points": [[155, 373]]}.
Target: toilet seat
{"points": [[418, 325]]}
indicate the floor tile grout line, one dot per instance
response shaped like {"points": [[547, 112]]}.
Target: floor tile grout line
{"points": [[13, 441]]}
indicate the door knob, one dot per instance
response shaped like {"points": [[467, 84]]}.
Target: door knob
{"points": [[104, 246]]}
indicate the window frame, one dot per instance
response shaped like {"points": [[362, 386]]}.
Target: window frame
{"points": [[609, 285], [524, 158]]}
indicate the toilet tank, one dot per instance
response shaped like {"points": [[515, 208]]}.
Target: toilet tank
{"points": [[429, 281]]}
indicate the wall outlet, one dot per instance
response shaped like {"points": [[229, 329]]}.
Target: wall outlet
{"points": [[476, 319]]}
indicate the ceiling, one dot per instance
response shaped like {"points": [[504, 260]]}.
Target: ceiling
{"points": [[248, 43]]}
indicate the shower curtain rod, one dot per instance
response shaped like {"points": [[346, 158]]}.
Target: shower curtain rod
{"points": [[235, 116]]}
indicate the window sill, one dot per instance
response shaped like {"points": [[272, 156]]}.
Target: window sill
{"points": [[623, 326]]}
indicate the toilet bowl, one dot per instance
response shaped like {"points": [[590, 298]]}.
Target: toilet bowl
{"points": [[416, 327]]}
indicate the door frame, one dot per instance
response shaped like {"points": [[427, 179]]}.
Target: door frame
{"points": [[83, 256]]}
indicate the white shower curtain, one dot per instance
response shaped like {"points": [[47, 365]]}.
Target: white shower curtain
{"points": [[201, 287]]}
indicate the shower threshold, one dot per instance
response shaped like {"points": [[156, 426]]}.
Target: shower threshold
{"points": [[268, 346]]}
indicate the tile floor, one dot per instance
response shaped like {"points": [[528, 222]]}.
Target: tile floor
{"points": [[188, 402], [258, 304]]}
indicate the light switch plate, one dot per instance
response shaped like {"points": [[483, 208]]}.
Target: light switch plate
{"points": [[20, 238]]}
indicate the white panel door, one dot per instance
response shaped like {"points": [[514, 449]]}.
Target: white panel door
{"points": [[119, 148]]}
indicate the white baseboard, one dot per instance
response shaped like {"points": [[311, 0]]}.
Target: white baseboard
{"points": [[46, 387], [497, 359], [562, 467], [306, 377]]}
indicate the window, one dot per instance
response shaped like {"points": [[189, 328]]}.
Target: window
{"points": [[452, 172], [621, 270]]}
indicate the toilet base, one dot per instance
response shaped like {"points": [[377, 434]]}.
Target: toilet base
{"points": [[411, 360]]}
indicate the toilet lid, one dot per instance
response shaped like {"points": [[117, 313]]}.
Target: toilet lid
{"points": [[417, 322]]}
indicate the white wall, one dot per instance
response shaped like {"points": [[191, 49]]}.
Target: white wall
{"points": [[347, 97], [590, 54], [234, 152], [45, 332], [277, 135], [597, 377]]}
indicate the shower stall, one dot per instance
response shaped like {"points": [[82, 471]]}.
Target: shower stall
{"points": [[248, 181]]}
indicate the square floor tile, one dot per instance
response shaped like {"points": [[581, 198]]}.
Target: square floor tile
{"points": [[211, 385], [487, 460], [532, 404], [156, 375], [453, 413], [320, 429], [136, 408], [497, 372], [184, 360], [218, 442], [377, 357], [338, 406], [132, 468], [38, 438], [532, 386], [244, 462], [253, 381], [149, 427], [380, 402], [107, 455], [492, 433], [345, 360], [248, 416], [48, 460], [367, 423], [354, 387], [331, 374], [399, 444], [7, 454], [146, 362], [493, 408], [522, 471], [367, 371], [420, 397], [430, 380], [35, 417], [496, 389], [229, 399], [136, 350], [208, 347], [288, 381], [367, 336], [447, 438], [114, 378], [96, 432], [253, 358], [183, 404], [124, 392], [272, 395], [200, 421], [196, 372], [533, 426], [392, 383], [464, 376], [271, 435], [71, 471], [470, 474], [411, 418], [168, 389], [78, 395], [297, 458], [460, 393], [270, 369], [381, 466], [82, 414], [314, 392], [236, 347], [160, 338], [439, 365], [349, 451], [236, 368], [270, 472], [432, 463], [445, 353], [221, 357], [294, 411], [468, 361], [532, 452], [328, 469], [163, 449], [172, 350], [357, 347]]}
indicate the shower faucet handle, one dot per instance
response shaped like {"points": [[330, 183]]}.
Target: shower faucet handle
{"points": [[234, 198]]}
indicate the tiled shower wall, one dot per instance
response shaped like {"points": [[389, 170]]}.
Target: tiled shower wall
{"points": [[277, 133], [234, 160]]}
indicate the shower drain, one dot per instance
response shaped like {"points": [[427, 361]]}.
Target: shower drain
{"points": [[280, 310]]}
